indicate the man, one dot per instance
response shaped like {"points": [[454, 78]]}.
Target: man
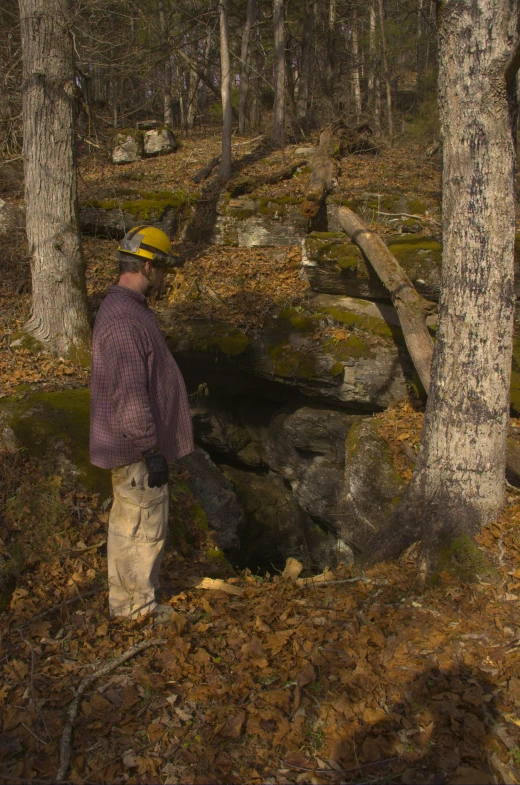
{"points": [[139, 421]]}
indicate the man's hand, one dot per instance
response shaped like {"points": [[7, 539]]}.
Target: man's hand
{"points": [[157, 468]]}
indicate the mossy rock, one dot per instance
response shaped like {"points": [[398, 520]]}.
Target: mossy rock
{"points": [[168, 210], [54, 429], [335, 265], [202, 336], [248, 221], [371, 488]]}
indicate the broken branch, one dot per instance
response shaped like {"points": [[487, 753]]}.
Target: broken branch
{"points": [[108, 667]]}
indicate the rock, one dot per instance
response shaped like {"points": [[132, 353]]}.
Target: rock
{"points": [[307, 447], [371, 486], [147, 125], [246, 221], [159, 141], [128, 147], [54, 428], [335, 265], [276, 528], [221, 431], [168, 210], [366, 367], [217, 498]]}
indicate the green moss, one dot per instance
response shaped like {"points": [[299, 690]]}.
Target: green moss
{"points": [[21, 340], [45, 423], [337, 369], [333, 247], [461, 558], [416, 250], [348, 349], [292, 363], [303, 322], [212, 335], [370, 324], [388, 203], [417, 207], [150, 206], [200, 519]]}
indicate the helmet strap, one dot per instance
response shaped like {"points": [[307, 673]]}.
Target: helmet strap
{"points": [[141, 269]]}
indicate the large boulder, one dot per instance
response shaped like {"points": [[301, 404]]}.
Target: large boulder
{"points": [[336, 350], [128, 146], [54, 428], [168, 210], [307, 447], [217, 498], [371, 486], [221, 431], [276, 528], [248, 221], [159, 141]]}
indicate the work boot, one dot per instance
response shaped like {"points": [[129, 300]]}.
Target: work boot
{"points": [[162, 614]]}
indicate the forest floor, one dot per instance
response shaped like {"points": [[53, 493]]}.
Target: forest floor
{"points": [[365, 677]]}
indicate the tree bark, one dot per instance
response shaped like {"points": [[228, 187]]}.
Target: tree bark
{"points": [[244, 65], [458, 484], [372, 56], [389, 112], [59, 315], [279, 74], [302, 105], [356, 82], [167, 69], [225, 89], [408, 303], [331, 47]]}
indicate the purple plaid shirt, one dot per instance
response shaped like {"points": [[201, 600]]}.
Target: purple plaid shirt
{"points": [[137, 395]]}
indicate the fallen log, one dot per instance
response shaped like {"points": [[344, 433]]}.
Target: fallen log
{"points": [[409, 304], [323, 173], [206, 170], [246, 185]]}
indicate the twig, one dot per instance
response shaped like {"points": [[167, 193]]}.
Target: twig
{"points": [[341, 771], [249, 141], [34, 734], [10, 160], [57, 607], [407, 215], [108, 667]]}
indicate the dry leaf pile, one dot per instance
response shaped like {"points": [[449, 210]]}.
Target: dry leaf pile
{"points": [[349, 677]]}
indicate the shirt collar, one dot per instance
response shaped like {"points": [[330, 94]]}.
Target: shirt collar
{"points": [[118, 289]]}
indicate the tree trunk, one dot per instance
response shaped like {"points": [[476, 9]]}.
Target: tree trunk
{"points": [[167, 69], [225, 89], [244, 65], [372, 57], [458, 484], [59, 315], [331, 47], [302, 106], [279, 74], [356, 82], [256, 98], [384, 56], [193, 84]]}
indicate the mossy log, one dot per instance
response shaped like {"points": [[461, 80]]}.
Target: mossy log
{"points": [[246, 185], [408, 303], [323, 172]]}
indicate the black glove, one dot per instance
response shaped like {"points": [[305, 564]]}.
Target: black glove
{"points": [[157, 468]]}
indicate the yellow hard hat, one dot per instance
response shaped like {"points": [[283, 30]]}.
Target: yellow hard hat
{"points": [[148, 242]]}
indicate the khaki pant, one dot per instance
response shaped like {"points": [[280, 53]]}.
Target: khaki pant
{"points": [[136, 534]]}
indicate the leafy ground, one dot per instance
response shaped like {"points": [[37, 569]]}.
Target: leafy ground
{"points": [[364, 678]]}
